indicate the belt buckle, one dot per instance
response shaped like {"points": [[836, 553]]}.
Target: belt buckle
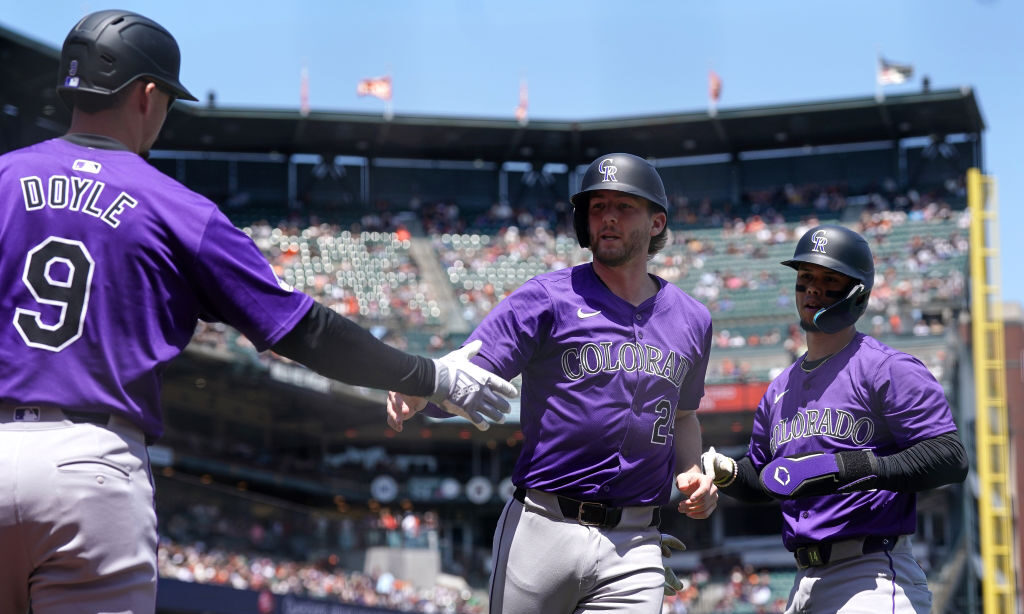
{"points": [[594, 506]]}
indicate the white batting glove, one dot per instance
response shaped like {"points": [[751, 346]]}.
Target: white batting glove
{"points": [[466, 390], [720, 467], [672, 582]]}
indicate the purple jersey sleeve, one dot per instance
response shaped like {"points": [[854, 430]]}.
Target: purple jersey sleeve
{"points": [[867, 396], [106, 267], [236, 284], [916, 404]]}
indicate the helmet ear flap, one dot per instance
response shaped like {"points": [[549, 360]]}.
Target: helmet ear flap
{"points": [[845, 312]]}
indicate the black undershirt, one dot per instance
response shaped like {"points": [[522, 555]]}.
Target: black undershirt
{"points": [[338, 348], [927, 464]]}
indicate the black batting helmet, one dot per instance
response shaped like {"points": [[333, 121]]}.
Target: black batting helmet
{"points": [[847, 252], [107, 50], [622, 172]]}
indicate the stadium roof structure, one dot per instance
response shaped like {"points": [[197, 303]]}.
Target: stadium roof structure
{"points": [[28, 72]]}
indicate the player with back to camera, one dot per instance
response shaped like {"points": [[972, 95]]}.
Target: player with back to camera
{"points": [[844, 438], [107, 265], [613, 361]]}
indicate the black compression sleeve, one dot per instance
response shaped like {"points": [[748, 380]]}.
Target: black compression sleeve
{"points": [[926, 464], [746, 487], [338, 348]]}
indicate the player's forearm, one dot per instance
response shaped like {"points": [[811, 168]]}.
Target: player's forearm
{"points": [[747, 485], [688, 442], [340, 349], [925, 465]]}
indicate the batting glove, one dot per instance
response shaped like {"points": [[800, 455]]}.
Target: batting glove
{"points": [[668, 543], [789, 477], [466, 390], [720, 467]]}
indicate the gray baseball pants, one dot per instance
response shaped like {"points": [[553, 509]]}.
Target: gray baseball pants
{"points": [[546, 563]]}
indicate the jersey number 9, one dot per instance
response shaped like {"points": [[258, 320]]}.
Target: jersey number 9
{"points": [[58, 272]]}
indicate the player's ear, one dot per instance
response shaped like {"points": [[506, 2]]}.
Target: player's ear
{"points": [[145, 95], [658, 221]]}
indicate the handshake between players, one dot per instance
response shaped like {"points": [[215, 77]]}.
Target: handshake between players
{"points": [[463, 389]]}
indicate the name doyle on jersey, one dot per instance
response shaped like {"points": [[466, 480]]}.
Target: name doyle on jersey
{"points": [[827, 422], [74, 194], [591, 358]]}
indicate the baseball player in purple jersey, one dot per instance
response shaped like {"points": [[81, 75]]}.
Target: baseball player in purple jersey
{"points": [[612, 360], [844, 438], [106, 267]]}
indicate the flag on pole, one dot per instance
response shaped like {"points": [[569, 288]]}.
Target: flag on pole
{"points": [[714, 86], [304, 92], [891, 73], [524, 103], [714, 92], [378, 87]]}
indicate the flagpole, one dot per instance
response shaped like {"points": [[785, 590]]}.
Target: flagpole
{"points": [[304, 90], [879, 89], [714, 91]]}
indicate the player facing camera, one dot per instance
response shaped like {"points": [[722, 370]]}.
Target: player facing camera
{"points": [[839, 250]]}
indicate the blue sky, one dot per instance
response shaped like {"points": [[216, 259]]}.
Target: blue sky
{"points": [[591, 59]]}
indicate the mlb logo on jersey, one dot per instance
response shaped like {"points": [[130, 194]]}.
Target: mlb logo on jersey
{"points": [[26, 414], [86, 166]]}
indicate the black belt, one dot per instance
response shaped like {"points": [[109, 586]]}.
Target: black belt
{"points": [[99, 419], [825, 552], [80, 417], [590, 514], [34, 413]]}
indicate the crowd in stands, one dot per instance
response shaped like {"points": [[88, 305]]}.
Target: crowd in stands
{"points": [[298, 553], [322, 579], [920, 243]]}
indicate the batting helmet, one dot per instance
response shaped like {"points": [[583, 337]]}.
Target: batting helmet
{"points": [[107, 50], [621, 172], [845, 251]]}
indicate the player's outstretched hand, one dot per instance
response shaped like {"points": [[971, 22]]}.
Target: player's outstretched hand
{"points": [[401, 407], [669, 543], [720, 467], [700, 495], [466, 390]]}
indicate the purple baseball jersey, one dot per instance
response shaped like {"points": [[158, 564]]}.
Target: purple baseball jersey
{"points": [[107, 265], [866, 396], [602, 381]]}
